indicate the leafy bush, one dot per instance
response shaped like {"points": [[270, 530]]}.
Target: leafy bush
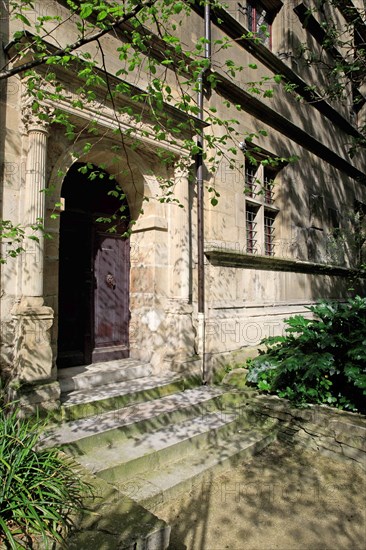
{"points": [[39, 488], [320, 360]]}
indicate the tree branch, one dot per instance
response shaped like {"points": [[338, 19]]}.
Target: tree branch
{"points": [[7, 73]]}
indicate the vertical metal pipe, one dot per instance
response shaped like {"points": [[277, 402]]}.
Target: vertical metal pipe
{"points": [[200, 195]]}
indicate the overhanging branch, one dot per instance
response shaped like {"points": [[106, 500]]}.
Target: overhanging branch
{"points": [[7, 73]]}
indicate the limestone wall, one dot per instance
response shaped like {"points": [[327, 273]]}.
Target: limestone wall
{"points": [[248, 294], [334, 433]]}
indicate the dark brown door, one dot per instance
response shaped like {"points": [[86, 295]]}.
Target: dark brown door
{"points": [[93, 275], [111, 293]]}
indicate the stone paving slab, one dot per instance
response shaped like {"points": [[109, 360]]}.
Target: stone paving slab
{"points": [[178, 478], [97, 374], [284, 498], [86, 427], [172, 442], [116, 389]]}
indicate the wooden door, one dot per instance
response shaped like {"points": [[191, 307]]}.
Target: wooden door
{"points": [[93, 276], [111, 293]]}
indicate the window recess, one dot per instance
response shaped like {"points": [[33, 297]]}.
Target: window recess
{"points": [[251, 182], [257, 16], [360, 233], [251, 228], [261, 170], [269, 233], [268, 183]]}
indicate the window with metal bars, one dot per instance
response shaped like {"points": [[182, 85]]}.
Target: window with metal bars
{"points": [[251, 181], [259, 21], [360, 232], [269, 234], [251, 230], [261, 171], [268, 177]]}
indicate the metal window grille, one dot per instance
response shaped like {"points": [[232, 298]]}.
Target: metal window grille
{"points": [[360, 231], [258, 22], [251, 232], [269, 235], [268, 190], [250, 182]]}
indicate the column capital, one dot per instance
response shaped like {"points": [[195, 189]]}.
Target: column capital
{"points": [[34, 120], [183, 168]]}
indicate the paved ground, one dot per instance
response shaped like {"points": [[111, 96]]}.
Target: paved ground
{"points": [[283, 499]]}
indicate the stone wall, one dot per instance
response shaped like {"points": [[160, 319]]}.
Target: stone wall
{"points": [[335, 433], [309, 255]]}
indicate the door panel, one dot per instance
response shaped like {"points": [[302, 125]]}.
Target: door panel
{"points": [[74, 289], [111, 292]]}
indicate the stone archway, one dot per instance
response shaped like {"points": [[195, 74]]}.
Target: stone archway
{"points": [[93, 320], [153, 247]]}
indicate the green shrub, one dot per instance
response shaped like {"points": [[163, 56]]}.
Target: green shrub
{"points": [[39, 488], [320, 360]]}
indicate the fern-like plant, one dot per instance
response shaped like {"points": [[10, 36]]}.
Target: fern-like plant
{"points": [[39, 488], [319, 360]]}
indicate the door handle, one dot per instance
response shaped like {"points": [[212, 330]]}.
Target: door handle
{"points": [[111, 281]]}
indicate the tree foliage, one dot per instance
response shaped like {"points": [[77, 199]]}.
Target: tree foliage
{"points": [[159, 73], [161, 70], [338, 27], [150, 51]]}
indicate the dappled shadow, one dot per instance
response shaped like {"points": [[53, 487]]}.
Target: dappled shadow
{"points": [[142, 449], [168, 451], [105, 511], [315, 195], [283, 498]]}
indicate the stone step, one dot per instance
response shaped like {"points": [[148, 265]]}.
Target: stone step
{"points": [[124, 460], [94, 401], [194, 472], [97, 374], [156, 437], [81, 435], [108, 519]]}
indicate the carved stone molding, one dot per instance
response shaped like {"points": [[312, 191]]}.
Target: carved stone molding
{"points": [[34, 119]]}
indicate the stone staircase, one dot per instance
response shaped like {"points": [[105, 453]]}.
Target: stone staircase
{"points": [[102, 387], [153, 437]]}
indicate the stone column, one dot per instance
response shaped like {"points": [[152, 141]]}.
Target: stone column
{"points": [[180, 227], [34, 209], [179, 325], [33, 353]]}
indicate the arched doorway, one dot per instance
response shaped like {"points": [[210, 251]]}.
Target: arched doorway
{"points": [[94, 269]]}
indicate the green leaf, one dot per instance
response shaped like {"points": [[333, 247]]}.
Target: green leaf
{"points": [[102, 15], [86, 10], [177, 7], [22, 18]]}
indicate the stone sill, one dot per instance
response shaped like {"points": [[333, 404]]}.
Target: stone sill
{"points": [[233, 258]]}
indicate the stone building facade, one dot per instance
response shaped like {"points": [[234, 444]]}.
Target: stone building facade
{"points": [[282, 236]]}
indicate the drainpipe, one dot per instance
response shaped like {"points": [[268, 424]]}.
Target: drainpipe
{"points": [[200, 201]]}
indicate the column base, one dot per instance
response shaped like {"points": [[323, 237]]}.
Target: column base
{"points": [[36, 399], [32, 350]]}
